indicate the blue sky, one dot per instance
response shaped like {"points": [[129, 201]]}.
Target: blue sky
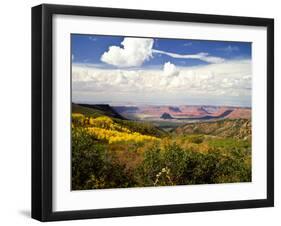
{"points": [[89, 49], [132, 71]]}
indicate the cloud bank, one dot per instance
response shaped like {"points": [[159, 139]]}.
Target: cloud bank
{"points": [[226, 83]]}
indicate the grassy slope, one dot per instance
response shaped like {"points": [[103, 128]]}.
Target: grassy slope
{"points": [[233, 128]]}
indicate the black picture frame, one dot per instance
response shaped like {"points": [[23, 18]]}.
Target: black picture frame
{"points": [[42, 111]]}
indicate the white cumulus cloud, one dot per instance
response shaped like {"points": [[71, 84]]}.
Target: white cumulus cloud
{"points": [[133, 53], [170, 69]]}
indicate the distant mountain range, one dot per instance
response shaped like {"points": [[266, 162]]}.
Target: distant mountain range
{"points": [[185, 111]]}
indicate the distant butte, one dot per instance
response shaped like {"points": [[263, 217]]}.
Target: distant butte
{"points": [[166, 116]]}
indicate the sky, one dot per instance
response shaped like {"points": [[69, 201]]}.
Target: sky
{"points": [[120, 70]]}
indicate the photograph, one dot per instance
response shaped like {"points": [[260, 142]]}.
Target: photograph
{"points": [[144, 112], [150, 111]]}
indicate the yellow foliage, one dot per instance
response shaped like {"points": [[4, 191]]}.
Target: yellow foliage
{"points": [[113, 136], [77, 115], [102, 122], [78, 118], [104, 128], [105, 122]]}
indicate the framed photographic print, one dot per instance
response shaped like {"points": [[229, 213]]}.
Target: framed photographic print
{"points": [[146, 112]]}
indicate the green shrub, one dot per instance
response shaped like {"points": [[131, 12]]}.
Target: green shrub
{"points": [[233, 167], [174, 158], [173, 165], [93, 166], [150, 166], [87, 157], [197, 139]]}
